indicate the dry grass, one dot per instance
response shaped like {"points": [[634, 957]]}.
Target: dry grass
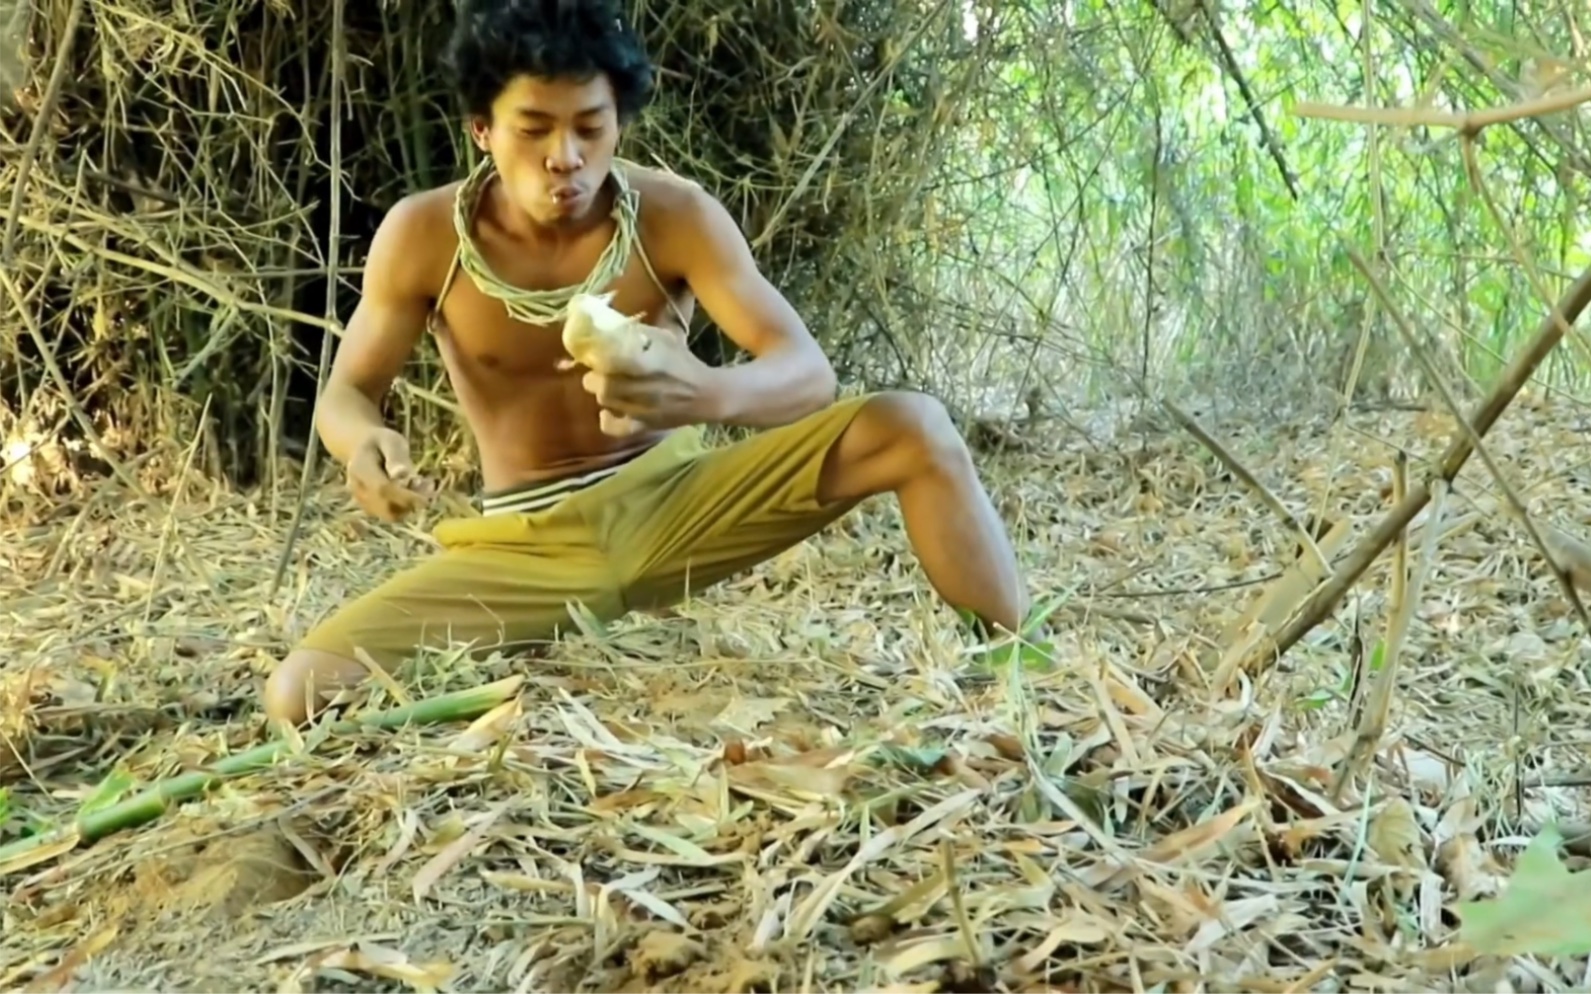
{"points": [[187, 201], [804, 780]]}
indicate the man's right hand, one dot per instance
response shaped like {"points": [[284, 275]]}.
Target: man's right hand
{"points": [[382, 478]]}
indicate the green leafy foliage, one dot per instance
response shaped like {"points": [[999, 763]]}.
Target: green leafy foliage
{"points": [[1544, 911]]}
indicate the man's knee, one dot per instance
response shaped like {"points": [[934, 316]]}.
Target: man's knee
{"points": [[918, 422], [304, 680], [896, 436]]}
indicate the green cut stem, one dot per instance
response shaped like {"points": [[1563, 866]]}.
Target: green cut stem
{"points": [[149, 804]]}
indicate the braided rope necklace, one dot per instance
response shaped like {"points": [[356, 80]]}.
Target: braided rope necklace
{"points": [[542, 306]]}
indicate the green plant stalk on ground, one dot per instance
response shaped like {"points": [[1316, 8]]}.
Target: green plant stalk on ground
{"points": [[150, 804]]}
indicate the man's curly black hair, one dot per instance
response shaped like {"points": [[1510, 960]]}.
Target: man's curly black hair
{"points": [[496, 40]]}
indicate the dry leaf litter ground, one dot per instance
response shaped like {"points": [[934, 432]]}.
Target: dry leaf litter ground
{"points": [[805, 780]]}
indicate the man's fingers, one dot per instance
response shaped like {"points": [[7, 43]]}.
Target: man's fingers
{"points": [[395, 453], [365, 465], [397, 494], [607, 388], [376, 505], [383, 479], [621, 394], [388, 509]]}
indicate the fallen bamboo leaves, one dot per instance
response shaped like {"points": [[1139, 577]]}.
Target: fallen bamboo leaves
{"points": [[655, 816]]}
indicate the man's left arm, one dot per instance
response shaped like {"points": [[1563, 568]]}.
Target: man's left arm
{"points": [[788, 377]]}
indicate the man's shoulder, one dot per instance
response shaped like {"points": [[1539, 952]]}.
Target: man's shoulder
{"points": [[423, 212], [679, 217], [666, 193], [415, 241]]}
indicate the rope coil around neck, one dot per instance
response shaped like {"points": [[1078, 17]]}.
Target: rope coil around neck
{"points": [[541, 307]]}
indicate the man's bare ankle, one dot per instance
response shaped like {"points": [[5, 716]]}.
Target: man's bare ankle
{"points": [[983, 628]]}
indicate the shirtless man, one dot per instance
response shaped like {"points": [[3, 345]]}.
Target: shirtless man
{"points": [[569, 513]]}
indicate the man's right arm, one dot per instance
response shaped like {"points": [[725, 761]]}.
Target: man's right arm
{"points": [[382, 332]]}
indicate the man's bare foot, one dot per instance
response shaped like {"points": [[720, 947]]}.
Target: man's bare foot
{"points": [[1031, 649]]}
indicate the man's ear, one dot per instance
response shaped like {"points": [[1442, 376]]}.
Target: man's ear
{"points": [[478, 129]]}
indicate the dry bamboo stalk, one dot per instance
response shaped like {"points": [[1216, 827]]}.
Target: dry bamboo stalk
{"points": [[1551, 330], [339, 83], [1405, 601], [1273, 606], [1514, 502], [41, 127], [1240, 471]]}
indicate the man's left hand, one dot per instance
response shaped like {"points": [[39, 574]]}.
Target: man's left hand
{"points": [[676, 393]]}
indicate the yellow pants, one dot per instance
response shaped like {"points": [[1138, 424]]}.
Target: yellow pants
{"points": [[676, 519]]}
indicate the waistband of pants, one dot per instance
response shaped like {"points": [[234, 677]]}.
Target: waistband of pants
{"points": [[679, 444], [542, 494]]}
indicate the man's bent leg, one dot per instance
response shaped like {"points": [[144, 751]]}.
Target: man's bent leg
{"points": [[906, 444], [490, 596], [739, 505]]}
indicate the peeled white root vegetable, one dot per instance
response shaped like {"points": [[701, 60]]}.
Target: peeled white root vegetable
{"points": [[606, 341]]}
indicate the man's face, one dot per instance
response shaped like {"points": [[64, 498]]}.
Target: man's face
{"points": [[552, 141]]}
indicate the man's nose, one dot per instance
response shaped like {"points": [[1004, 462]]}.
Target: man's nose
{"points": [[564, 156]]}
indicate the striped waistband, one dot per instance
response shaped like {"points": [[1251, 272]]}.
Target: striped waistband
{"points": [[542, 495]]}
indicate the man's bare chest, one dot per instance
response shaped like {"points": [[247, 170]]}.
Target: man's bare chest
{"points": [[481, 338]]}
